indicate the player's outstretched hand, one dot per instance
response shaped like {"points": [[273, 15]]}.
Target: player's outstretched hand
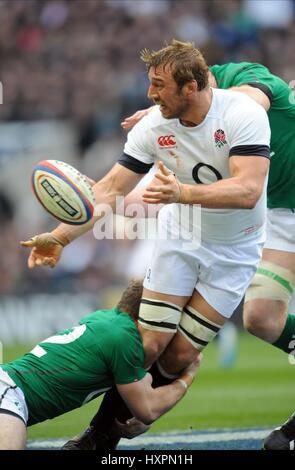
{"points": [[46, 250], [130, 121], [168, 189]]}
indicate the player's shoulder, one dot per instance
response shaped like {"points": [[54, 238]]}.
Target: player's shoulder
{"points": [[229, 96], [229, 104]]}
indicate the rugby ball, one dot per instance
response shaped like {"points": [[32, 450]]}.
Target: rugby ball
{"points": [[63, 191]]}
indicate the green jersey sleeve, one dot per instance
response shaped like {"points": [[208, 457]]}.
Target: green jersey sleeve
{"points": [[245, 73]]}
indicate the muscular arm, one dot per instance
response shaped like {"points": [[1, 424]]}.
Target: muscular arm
{"points": [[241, 191], [146, 403]]}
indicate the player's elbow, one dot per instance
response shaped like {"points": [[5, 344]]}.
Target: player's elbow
{"points": [[252, 194], [149, 420], [251, 200], [147, 414], [146, 417]]}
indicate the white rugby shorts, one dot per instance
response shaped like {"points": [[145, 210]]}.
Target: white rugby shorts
{"points": [[280, 230], [12, 398], [220, 273]]}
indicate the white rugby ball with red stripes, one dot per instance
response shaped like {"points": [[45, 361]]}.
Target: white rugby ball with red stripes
{"points": [[63, 191]]}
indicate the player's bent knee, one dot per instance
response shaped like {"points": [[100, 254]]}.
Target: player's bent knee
{"points": [[261, 317], [197, 329], [254, 317], [178, 355], [271, 282]]}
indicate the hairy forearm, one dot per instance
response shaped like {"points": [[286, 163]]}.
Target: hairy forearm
{"points": [[147, 403], [227, 193], [164, 398]]}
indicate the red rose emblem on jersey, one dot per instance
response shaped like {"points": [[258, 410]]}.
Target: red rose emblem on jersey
{"points": [[220, 138]]}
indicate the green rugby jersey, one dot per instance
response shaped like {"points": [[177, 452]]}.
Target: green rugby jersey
{"points": [[76, 365], [281, 183]]}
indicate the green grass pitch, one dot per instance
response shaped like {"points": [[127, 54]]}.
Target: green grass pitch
{"points": [[257, 391]]}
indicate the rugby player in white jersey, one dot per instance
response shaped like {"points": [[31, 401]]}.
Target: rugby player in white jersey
{"points": [[213, 150]]}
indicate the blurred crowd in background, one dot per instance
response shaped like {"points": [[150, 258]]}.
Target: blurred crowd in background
{"points": [[78, 60]]}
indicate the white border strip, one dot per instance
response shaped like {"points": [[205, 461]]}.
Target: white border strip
{"points": [[169, 438]]}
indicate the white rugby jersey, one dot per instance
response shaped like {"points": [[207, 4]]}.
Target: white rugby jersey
{"points": [[235, 125]]}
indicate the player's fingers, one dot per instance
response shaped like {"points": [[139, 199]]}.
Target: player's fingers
{"points": [[52, 262], [164, 170], [28, 243], [163, 178], [149, 200], [31, 260], [47, 260], [132, 117], [157, 189], [39, 261], [155, 194], [130, 121], [31, 263]]}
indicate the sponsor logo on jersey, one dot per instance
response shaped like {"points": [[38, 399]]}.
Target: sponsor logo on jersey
{"points": [[167, 141], [220, 138]]}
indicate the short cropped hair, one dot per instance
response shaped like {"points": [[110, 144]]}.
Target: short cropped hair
{"points": [[186, 61], [130, 299]]}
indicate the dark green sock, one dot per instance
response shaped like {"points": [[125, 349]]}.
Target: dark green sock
{"points": [[288, 335]]}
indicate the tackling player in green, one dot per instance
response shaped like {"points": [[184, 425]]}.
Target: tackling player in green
{"points": [[74, 366]]}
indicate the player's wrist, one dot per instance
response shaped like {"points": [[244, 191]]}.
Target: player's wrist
{"points": [[60, 236], [183, 196], [182, 383], [187, 377]]}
